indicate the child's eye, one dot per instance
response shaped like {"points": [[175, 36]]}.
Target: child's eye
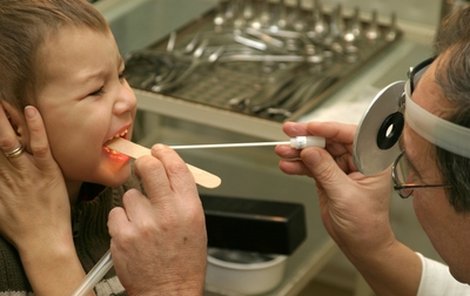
{"points": [[122, 75], [98, 92]]}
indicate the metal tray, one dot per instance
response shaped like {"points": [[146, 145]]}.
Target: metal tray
{"points": [[260, 59]]}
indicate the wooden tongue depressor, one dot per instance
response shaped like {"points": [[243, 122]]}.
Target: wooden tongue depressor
{"points": [[134, 150]]}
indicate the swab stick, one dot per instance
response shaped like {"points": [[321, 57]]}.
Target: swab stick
{"points": [[299, 142]]}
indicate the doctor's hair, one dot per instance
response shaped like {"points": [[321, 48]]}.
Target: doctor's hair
{"points": [[26, 26], [453, 76]]}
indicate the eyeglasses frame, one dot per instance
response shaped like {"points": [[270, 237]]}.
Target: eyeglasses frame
{"points": [[398, 185]]}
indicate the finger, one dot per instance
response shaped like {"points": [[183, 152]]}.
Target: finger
{"points": [[287, 152], [8, 139], [135, 204], [324, 169], [39, 144], [333, 131], [294, 167], [154, 178], [181, 179], [117, 221], [293, 129]]}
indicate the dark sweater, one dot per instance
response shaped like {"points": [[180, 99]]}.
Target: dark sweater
{"points": [[91, 239]]}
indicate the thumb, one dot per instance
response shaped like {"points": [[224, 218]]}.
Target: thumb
{"points": [[38, 138], [324, 169]]}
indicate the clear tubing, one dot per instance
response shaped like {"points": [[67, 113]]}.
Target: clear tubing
{"points": [[295, 142], [95, 275], [442, 133]]}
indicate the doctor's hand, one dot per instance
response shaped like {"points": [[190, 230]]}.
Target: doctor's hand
{"points": [[158, 241], [354, 208]]}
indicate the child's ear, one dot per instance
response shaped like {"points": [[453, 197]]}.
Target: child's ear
{"points": [[16, 118]]}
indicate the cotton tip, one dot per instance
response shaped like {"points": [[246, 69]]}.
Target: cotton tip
{"points": [[302, 142]]}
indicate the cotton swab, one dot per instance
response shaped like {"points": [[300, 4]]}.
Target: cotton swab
{"points": [[299, 142]]}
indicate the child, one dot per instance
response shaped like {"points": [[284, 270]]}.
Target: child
{"points": [[62, 75]]}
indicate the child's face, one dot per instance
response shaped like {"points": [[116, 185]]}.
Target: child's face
{"points": [[85, 102]]}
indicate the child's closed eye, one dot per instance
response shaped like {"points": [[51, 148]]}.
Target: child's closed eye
{"points": [[122, 75], [97, 92]]}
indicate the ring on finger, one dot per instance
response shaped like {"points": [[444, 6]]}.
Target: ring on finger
{"points": [[15, 152]]}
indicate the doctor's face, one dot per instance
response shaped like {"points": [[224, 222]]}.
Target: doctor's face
{"points": [[448, 230]]}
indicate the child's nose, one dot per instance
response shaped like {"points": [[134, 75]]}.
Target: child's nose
{"points": [[126, 100]]}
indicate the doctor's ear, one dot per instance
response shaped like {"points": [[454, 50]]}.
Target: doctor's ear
{"points": [[15, 117]]}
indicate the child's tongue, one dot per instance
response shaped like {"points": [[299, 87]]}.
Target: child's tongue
{"points": [[114, 154]]}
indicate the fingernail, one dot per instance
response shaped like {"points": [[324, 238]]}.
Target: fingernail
{"points": [[30, 111], [314, 155]]}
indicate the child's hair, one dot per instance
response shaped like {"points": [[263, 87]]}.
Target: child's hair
{"points": [[24, 27]]}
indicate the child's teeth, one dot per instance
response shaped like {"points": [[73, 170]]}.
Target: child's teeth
{"points": [[124, 133]]}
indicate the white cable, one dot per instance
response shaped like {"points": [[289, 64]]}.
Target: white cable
{"points": [[95, 275], [442, 133]]}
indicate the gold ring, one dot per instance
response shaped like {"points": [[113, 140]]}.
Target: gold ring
{"points": [[15, 152]]}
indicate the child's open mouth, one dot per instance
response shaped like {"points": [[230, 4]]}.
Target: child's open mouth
{"points": [[113, 154]]}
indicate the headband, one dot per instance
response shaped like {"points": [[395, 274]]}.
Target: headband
{"points": [[442, 133]]}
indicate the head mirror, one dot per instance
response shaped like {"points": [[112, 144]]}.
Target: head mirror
{"points": [[376, 142]]}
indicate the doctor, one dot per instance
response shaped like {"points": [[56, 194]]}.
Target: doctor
{"points": [[436, 165]]}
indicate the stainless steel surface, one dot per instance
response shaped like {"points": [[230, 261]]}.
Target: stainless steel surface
{"points": [[276, 70], [138, 23]]}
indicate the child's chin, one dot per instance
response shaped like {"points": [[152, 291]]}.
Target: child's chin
{"points": [[119, 178]]}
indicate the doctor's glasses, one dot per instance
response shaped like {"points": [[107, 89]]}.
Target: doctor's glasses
{"points": [[405, 177]]}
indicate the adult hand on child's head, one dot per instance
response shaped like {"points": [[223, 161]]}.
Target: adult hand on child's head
{"points": [[34, 205], [354, 207], [159, 241]]}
